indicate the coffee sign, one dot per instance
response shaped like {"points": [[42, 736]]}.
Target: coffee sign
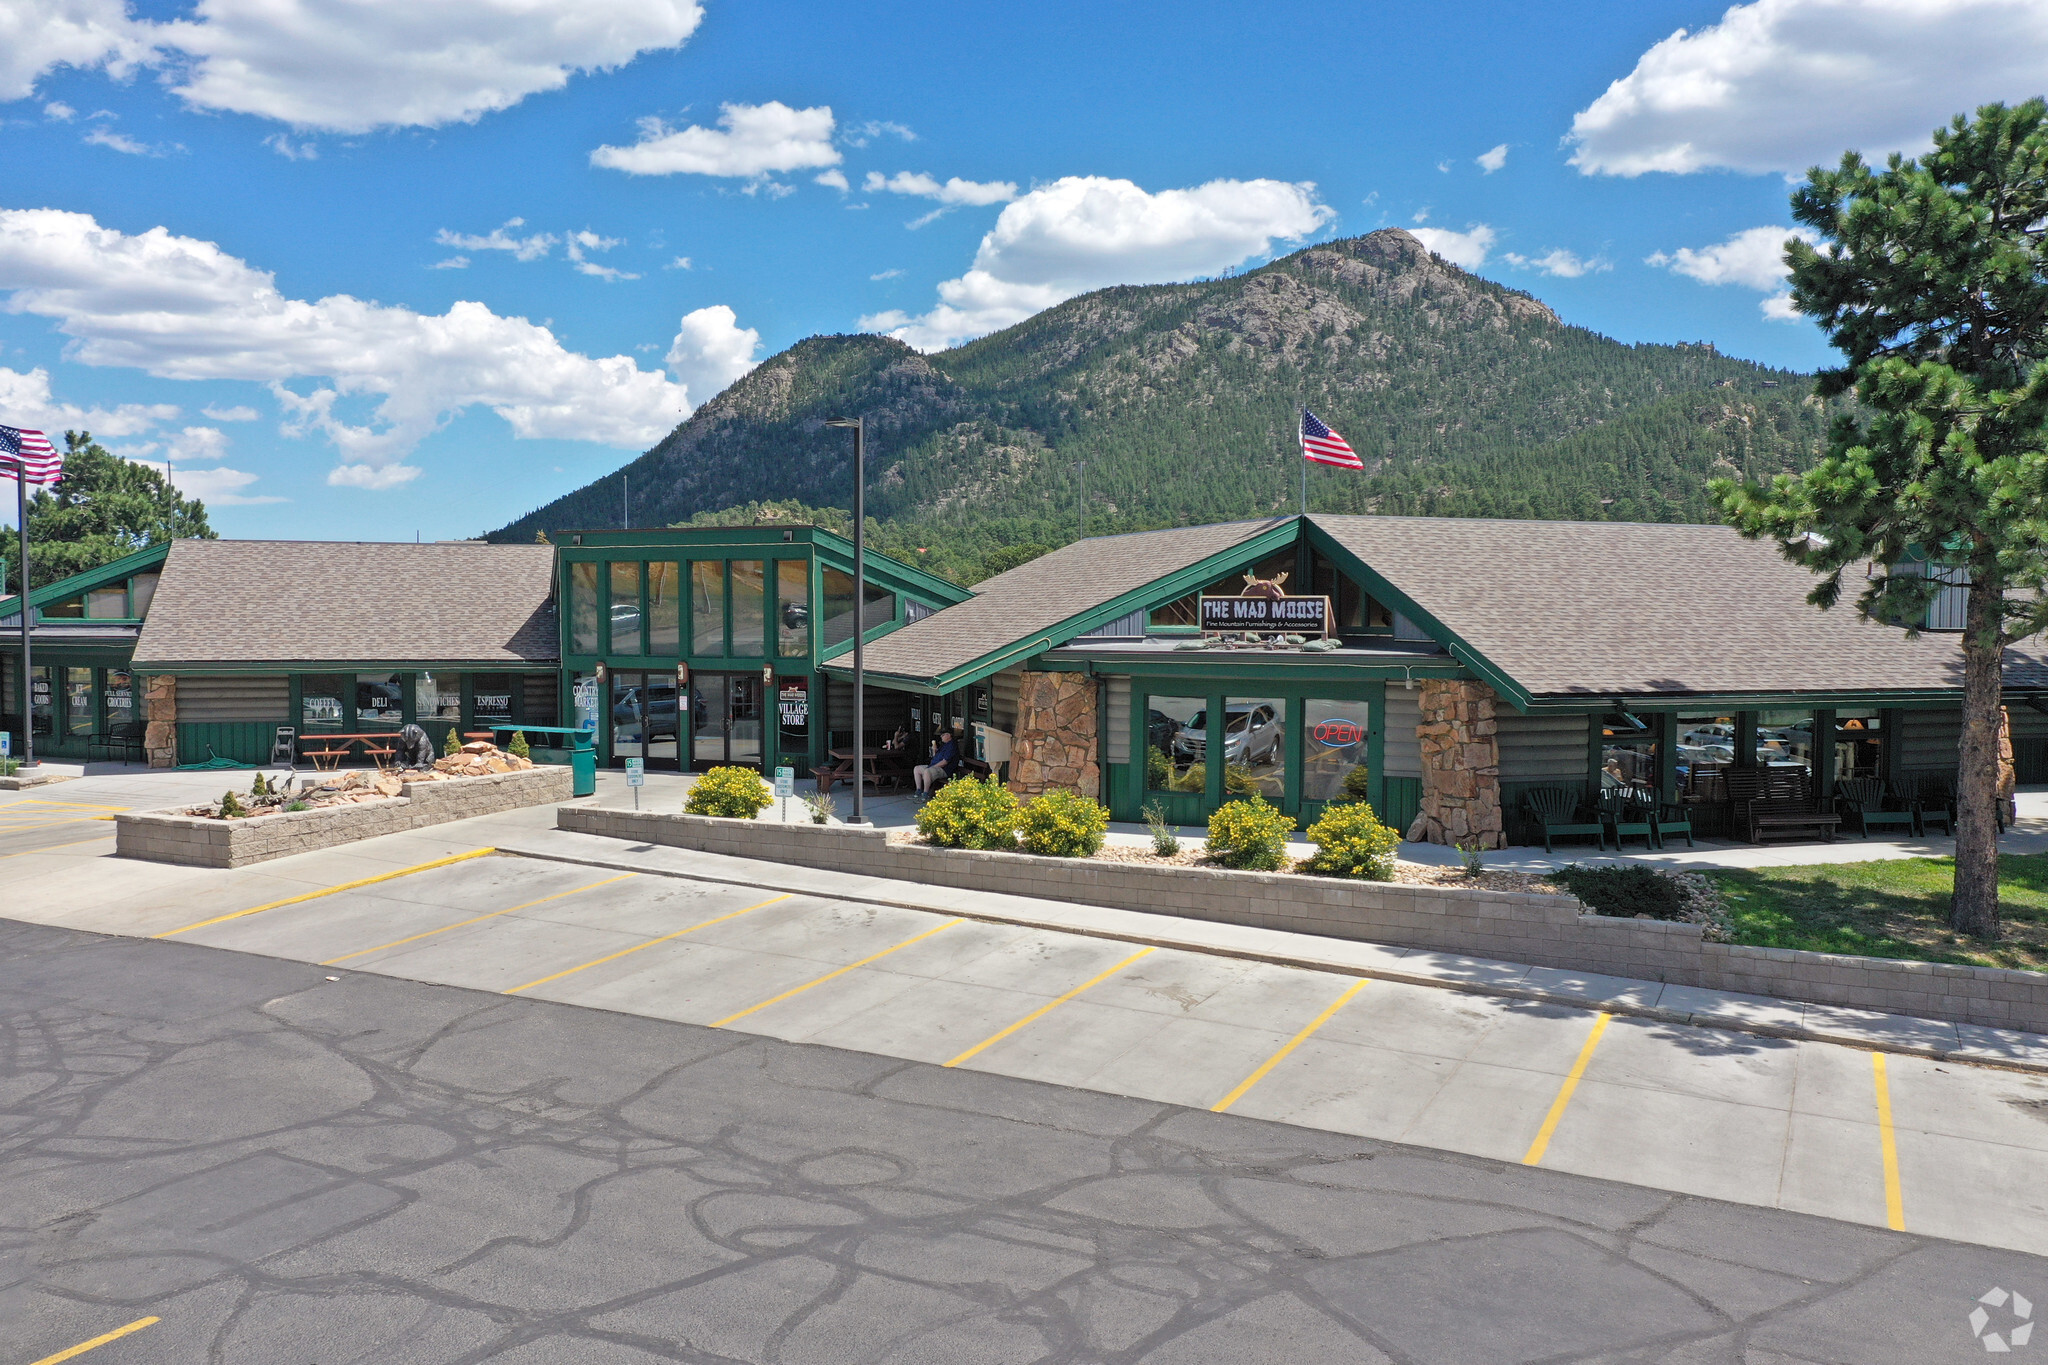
{"points": [[1267, 615]]}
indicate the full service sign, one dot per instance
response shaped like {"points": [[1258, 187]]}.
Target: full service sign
{"points": [[1271, 615]]}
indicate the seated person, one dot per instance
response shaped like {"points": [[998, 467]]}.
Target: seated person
{"points": [[898, 742], [946, 758]]}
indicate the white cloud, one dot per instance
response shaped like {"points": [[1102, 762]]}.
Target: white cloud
{"points": [[1780, 85], [1753, 258], [1468, 248], [751, 140], [711, 350], [861, 135], [27, 401], [291, 151], [452, 263], [679, 263], [1492, 159], [104, 136], [59, 111], [382, 377], [1564, 264], [886, 274], [234, 414], [1085, 232], [216, 487], [528, 248], [577, 243], [341, 65], [834, 179], [1444, 166], [201, 445], [350, 67], [954, 191]]}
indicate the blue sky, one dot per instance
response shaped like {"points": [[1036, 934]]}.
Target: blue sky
{"points": [[362, 271]]}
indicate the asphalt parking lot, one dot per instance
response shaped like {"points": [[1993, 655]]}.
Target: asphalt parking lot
{"points": [[1888, 1141], [224, 1157]]}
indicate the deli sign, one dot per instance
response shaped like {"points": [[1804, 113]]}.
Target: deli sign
{"points": [[1271, 615]]}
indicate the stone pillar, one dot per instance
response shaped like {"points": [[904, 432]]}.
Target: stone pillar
{"points": [[1460, 765], [160, 740], [1055, 739]]}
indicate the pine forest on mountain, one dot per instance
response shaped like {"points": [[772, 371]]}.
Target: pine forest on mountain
{"points": [[1464, 397]]}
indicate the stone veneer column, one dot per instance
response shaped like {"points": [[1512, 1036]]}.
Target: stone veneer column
{"points": [[1458, 737], [160, 740], [1055, 741]]}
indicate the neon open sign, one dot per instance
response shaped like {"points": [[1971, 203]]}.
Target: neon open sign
{"points": [[1338, 734]]}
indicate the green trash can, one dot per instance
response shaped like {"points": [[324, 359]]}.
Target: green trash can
{"points": [[582, 764]]}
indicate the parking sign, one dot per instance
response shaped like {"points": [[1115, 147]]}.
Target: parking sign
{"points": [[636, 772], [785, 783]]}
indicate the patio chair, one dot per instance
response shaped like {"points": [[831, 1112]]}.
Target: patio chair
{"points": [[1935, 800], [1557, 809], [123, 740], [1867, 803], [1666, 817], [1625, 813]]}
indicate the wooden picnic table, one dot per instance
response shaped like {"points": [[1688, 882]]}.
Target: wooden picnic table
{"points": [[339, 746], [841, 769]]}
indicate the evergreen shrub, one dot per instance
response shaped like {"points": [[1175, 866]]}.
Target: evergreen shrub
{"points": [[519, 748], [970, 813], [1625, 892], [1351, 842], [452, 745], [1249, 834], [1358, 784], [735, 793], [1063, 824]]}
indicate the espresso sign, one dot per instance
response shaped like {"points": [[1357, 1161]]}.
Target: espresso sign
{"points": [[1272, 615]]}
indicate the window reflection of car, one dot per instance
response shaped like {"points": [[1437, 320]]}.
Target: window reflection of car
{"points": [[1251, 734], [1160, 728], [659, 719]]}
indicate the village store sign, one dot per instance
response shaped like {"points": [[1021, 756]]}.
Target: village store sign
{"points": [[1265, 608]]}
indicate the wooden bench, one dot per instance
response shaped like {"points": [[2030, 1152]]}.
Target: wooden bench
{"points": [[1778, 802]]}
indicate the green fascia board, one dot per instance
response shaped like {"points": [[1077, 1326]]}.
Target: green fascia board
{"points": [[837, 551], [149, 557], [1167, 588], [1492, 674]]}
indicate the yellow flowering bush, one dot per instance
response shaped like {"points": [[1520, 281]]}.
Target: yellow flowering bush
{"points": [[966, 813], [1249, 834], [1063, 824], [1351, 842], [737, 793]]}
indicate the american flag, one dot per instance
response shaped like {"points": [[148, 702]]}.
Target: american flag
{"points": [[38, 459], [1324, 446]]}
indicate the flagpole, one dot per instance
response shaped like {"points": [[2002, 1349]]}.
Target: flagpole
{"points": [[1298, 430], [28, 698]]}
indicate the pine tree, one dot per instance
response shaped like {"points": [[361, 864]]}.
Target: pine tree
{"points": [[105, 508], [1934, 286]]}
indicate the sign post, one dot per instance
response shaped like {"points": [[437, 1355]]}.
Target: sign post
{"points": [[636, 778], [785, 787]]}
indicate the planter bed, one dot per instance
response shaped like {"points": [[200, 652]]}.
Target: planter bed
{"points": [[175, 836], [1525, 927]]}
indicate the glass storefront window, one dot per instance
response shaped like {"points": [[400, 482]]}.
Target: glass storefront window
{"points": [[625, 608], [583, 637], [664, 608], [793, 715], [78, 716], [380, 700], [438, 696], [792, 608], [1784, 739], [707, 606], [743, 719], [1706, 749], [118, 696], [1254, 742], [1347, 599], [141, 591], [42, 691], [71, 609], [583, 700], [319, 702], [1333, 739], [1859, 744], [108, 604], [1628, 751], [749, 608], [1171, 763], [491, 699], [881, 607]]}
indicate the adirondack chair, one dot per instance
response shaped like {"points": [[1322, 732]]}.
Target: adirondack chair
{"points": [[1935, 800], [1867, 803], [1666, 817], [1625, 814], [1557, 809]]}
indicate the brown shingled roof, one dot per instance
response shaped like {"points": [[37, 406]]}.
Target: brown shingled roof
{"points": [[1034, 597], [260, 602], [1616, 608]]}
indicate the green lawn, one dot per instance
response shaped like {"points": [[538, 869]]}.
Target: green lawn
{"points": [[1897, 908]]}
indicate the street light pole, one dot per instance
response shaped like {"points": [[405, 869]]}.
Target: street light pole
{"points": [[860, 612]]}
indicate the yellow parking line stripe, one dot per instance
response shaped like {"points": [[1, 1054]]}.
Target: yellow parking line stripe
{"points": [[51, 848], [401, 942], [329, 891], [819, 981], [1048, 1008], [69, 805], [610, 957], [1894, 1203], [82, 1347], [51, 824], [1564, 1094], [1292, 1043]]}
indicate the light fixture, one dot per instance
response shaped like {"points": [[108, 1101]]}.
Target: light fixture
{"points": [[768, 675], [600, 670], [860, 609]]}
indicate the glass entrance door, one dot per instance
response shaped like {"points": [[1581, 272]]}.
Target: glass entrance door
{"points": [[725, 719], [645, 724]]}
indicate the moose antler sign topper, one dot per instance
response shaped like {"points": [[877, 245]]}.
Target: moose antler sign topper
{"points": [[1265, 608]]}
